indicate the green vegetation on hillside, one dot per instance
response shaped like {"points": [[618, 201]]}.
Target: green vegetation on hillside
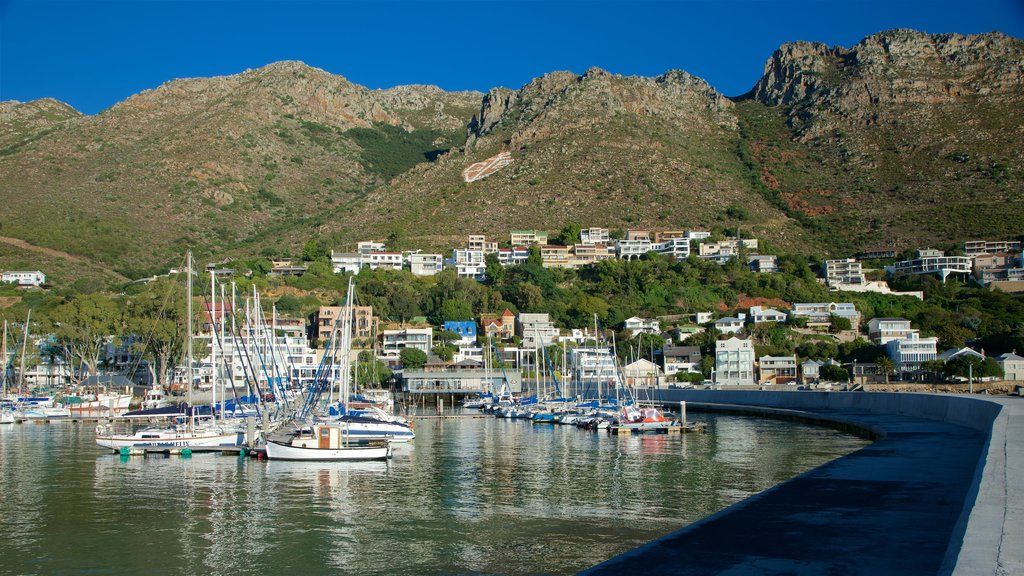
{"points": [[391, 150]]}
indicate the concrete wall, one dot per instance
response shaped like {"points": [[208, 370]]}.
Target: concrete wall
{"points": [[973, 412]]}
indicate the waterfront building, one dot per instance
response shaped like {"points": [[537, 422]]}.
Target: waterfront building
{"points": [[1012, 365], [734, 362], [642, 372], [909, 353], [810, 371], [676, 359], [777, 369]]}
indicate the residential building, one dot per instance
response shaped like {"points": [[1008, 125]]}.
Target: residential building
{"points": [[527, 237], [555, 256], [586, 254], [759, 315], [514, 256], [810, 371], [722, 251], [909, 353], [637, 325], [637, 235], [975, 248], [734, 362], [470, 264], [876, 254], [594, 236], [536, 330], [954, 353], [593, 369], [479, 242], [464, 378], [730, 324], [676, 248], [819, 314], [642, 372], [287, 271], [777, 369], [763, 263], [881, 331], [499, 327], [364, 323], [382, 260], [633, 248], [395, 340], [676, 359], [703, 317], [369, 247], [1012, 364], [349, 262], [846, 272], [24, 279], [465, 329], [425, 264], [931, 261]]}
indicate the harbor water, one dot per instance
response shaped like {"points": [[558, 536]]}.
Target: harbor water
{"points": [[469, 495]]}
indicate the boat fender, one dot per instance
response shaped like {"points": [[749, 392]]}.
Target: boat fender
{"points": [[186, 453], [99, 429]]}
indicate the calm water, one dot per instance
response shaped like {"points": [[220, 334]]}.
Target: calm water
{"points": [[470, 495]]}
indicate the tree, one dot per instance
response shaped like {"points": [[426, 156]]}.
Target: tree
{"points": [[839, 324], [494, 271], [834, 373], [157, 317], [967, 365], [569, 235], [412, 358], [82, 326], [885, 366], [310, 251]]}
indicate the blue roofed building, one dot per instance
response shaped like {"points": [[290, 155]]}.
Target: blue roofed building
{"points": [[465, 328]]}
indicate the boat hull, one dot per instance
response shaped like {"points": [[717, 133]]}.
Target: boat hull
{"points": [[167, 439], [282, 451]]}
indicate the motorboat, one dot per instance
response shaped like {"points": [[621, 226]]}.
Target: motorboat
{"points": [[332, 442]]}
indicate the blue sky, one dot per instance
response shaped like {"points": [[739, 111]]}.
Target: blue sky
{"points": [[95, 54]]}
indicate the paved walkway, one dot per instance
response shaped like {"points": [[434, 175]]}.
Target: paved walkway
{"points": [[895, 507]]}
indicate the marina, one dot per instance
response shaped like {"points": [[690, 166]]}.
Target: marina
{"points": [[469, 494]]}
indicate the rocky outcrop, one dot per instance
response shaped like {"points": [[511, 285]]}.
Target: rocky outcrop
{"points": [[882, 75]]}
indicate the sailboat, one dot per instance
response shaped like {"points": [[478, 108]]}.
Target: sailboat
{"points": [[6, 406], [187, 434], [344, 437]]}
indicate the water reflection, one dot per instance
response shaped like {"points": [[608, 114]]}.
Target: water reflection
{"points": [[470, 495]]}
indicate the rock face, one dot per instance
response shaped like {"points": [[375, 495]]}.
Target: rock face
{"points": [[886, 73], [564, 99]]}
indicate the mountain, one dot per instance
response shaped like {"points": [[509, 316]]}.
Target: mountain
{"points": [[217, 164], [904, 139]]}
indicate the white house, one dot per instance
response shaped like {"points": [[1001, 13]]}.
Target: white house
{"points": [[642, 373], [759, 315], [677, 359], [536, 330], [1013, 365], [881, 331], [734, 362], [763, 263], [395, 340], [382, 260], [594, 236], [345, 262], [930, 261], [33, 278], [426, 264], [470, 264], [637, 325], [843, 273], [810, 370], [820, 313], [908, 354], [730, 324]]}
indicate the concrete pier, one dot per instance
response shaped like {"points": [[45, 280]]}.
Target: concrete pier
{"points": [[938, 492]]}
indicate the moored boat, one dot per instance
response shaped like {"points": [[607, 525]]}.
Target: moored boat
{"points": [[172, 437], [326, 442]]}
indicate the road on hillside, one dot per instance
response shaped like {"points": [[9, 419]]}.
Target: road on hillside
{"points": [[59, 254]]}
